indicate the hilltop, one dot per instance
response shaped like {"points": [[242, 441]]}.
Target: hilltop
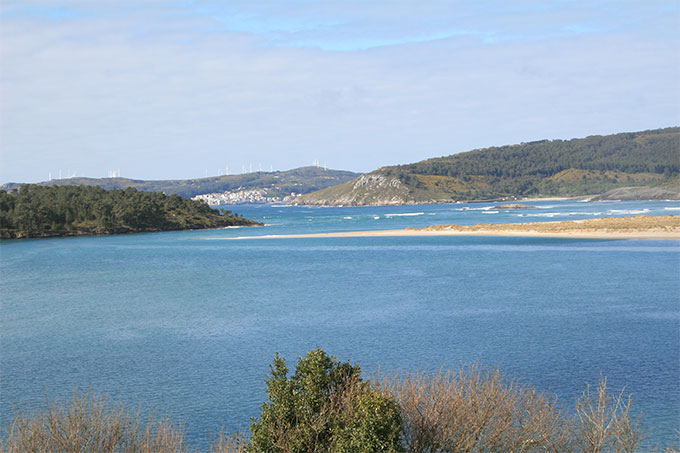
{"points": [[277, 183], [646, 163]]}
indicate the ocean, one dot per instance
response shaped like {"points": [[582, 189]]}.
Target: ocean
{"points": [[187, 323]]}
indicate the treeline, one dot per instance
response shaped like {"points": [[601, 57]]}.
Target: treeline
{"points": [[643, 152], [325, 406], [551, 167], [45, 211]]}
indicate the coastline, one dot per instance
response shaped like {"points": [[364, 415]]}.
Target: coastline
{"points": [[638, 227]]}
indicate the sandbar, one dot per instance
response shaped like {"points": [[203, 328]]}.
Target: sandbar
{"points": [[638, 227]]}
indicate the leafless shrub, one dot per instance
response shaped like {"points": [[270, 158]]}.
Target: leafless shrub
{"points": [[476, 410], [90, 423], [228, 444], [606, 423]]}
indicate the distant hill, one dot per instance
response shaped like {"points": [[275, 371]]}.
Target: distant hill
{"points": [[546, 168], [278, 183]]}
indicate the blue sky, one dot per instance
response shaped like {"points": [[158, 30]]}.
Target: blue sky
{"points": [[162, 89]]}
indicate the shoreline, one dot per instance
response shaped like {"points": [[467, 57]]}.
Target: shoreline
{"points": [[412, 233], [638, 227]]}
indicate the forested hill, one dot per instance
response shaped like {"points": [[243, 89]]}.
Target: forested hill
{"points": [[277, 183], [545, 168], [46, 211]]}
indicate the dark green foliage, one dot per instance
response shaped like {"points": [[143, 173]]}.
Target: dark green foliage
{"points": [[642, 152], [324, 406], [546, 168], [43, 211], [602, 163], [278, 183]]}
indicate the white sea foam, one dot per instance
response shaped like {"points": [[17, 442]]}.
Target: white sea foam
{"points": [[348, 218], [628, 211], [545, 214], [376, 217], [405, 214], [489, 212], [467, 208], [673, 209]]}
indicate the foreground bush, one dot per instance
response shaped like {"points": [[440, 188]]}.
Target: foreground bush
{"points": [[92, 424], [477, 411], [326, 407]]}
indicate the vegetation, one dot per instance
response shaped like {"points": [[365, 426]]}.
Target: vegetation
{"points": [[326, 406], [544, 168], [278, 183], [91, 424], [476, 411], [44, 211]]}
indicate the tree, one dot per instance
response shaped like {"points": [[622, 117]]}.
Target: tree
{"points": [[324, 406]]}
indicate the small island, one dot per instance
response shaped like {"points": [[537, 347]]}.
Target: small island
{"points": [[34, 211]]}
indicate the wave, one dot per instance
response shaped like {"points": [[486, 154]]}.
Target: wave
{"points": [[467, 208], [546, 214], [489, 212], [672, 209], [405, 214], [628, 211]]}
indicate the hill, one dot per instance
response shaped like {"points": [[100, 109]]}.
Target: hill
{"points": [[39, 211], [544, 168], [278, 183]]}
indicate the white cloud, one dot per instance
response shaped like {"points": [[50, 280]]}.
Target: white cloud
{"points": [[165, 94]]}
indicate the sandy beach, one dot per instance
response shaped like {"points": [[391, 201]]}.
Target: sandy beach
{"points": [[638, 227]]}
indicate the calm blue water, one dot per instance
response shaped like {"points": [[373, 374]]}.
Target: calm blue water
{"points": [[188, 322]]}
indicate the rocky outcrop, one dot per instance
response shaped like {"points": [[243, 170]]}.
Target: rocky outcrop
{"points": [[370, 189]]}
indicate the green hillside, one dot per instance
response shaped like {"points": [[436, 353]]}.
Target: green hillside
{"points": [[278, 183], [39, 211], [545, 168]]}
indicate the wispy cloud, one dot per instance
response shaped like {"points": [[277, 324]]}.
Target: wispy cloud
{"points": [[170, 89]]}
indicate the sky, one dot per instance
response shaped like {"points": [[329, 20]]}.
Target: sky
{"points": [[184, 89]]}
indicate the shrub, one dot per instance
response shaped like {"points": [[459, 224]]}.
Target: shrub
{"points": [[91, 423], [605, 422], [324, 406], [475, 410]]}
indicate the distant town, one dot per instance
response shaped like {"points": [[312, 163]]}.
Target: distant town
{"points": [[241, 196]]}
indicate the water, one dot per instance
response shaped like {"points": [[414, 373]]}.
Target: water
{"points": [[188, 322]]}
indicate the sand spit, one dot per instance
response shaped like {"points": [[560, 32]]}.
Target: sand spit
{"points": [[638, 227]]}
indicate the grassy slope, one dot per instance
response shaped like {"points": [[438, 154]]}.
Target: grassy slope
{"points": [[592, 165]]}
